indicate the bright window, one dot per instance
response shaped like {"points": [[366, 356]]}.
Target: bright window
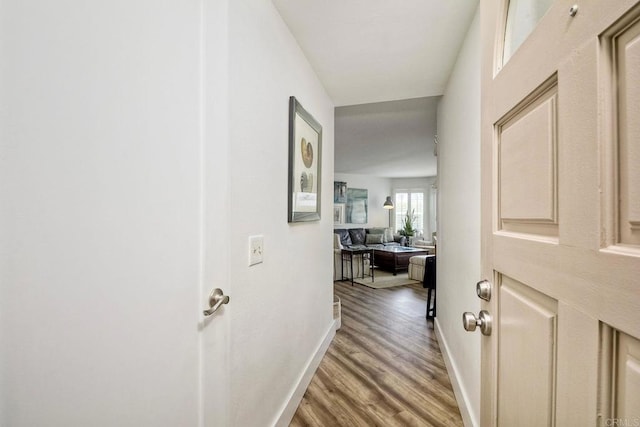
{"points": [[409, 201]]}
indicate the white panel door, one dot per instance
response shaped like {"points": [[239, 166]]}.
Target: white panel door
{"points": [[561, 212], [108, 235]]}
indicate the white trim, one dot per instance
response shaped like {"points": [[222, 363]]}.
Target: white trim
{"points": [[454, 376], [291, 406]]}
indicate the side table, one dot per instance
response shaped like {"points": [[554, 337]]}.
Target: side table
{"points": [[347, 256]]}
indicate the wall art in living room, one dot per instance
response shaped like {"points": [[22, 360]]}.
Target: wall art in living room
{"points": [[339, 192], [357, 205], [305, 154], [338, 214]]}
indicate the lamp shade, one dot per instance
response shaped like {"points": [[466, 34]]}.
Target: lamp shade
{"points": [[388, 204]]}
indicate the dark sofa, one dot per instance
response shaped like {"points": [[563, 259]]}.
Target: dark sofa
{"points": [[354, 237]]}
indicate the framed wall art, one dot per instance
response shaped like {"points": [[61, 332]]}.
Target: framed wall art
{"points": [[357, 205], [305, 155], [338, 214], [339, 192]]}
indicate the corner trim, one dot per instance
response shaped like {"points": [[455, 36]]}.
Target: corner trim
{"points": [[454, 376], [292, 403]]}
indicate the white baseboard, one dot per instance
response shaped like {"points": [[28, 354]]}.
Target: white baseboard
{"points": [[454, 376], [290, 408]]}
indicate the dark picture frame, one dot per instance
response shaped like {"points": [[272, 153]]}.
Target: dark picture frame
{"points": [[305, 164]]}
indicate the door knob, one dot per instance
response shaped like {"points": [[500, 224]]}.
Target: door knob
{"points": [[483, 289], [470, 322], [216, 299]]}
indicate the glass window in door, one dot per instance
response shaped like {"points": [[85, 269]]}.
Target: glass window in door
{"points": [[522, 18]]}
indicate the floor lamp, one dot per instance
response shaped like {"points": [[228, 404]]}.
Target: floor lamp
{"points": [[388, 204]]}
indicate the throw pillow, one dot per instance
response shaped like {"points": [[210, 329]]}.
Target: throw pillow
{"points": [[388, 235], [374, 239], [357, 236], [377, 230], [345, 238]]}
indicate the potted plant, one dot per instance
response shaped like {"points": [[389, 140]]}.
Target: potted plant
{"points": [[408, 224]]}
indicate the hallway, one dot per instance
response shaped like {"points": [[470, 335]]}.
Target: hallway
{"points": [[383, 368]]}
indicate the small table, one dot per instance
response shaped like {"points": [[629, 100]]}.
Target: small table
{"points": [[347, 255]]}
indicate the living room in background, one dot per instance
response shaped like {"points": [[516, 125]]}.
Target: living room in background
{"points": [[409, 201]]}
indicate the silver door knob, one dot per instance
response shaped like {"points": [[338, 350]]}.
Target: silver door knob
{"points": [[483, 289], [470, 322], [216, 299]]}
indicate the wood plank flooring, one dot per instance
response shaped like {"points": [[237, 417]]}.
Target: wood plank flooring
{"points": [[383, 368]]}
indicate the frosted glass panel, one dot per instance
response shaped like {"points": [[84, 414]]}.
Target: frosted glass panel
{"points": [[522, 18]]}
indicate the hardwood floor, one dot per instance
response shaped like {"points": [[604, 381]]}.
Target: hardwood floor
{"points": [[383, 368]]}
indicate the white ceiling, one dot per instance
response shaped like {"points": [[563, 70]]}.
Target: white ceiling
{"points": [[372, 51], [388, 139]]}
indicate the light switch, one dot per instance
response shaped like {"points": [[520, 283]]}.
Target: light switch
{"points": [[256, 249]]}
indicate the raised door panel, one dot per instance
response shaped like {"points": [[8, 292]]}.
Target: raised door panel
{"points": [[527, 355], [627, 66], [627, 373], [527, 146]]}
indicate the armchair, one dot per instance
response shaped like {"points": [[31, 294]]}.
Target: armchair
{"points": [[426, 244]]}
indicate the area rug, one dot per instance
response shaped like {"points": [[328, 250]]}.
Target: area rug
{"points": [[383, 279]]}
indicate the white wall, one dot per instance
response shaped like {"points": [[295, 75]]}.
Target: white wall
{"points": [[100, 215], [286, 302], [101, 185], [379, 189], [458, 264]]}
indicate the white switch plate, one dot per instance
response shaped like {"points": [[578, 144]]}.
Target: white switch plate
{"points": [[256, 249]]}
